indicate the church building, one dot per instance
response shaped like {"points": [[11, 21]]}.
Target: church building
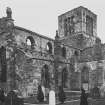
{"points": [[74, 59]]}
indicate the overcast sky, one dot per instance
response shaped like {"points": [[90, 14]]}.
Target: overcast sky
{"points": [[41, 16]]}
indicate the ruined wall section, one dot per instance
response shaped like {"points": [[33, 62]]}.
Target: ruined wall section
{"points": [[40, 42], [25, 62], [36, 58]]}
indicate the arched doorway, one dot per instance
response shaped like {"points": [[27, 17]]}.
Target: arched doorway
{"points": [[45, 76], [85, 77]]}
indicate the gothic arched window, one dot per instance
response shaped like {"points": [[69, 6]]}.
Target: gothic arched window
{"points": [[49, 47], [30, 41]]}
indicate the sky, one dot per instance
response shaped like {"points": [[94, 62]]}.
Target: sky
{"points": [[41, 16]]}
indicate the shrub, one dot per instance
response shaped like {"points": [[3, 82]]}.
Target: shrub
{"points": [[40, 95]]}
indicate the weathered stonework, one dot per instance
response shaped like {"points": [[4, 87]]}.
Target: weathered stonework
{"points": [[83, 47], [76, 56]]}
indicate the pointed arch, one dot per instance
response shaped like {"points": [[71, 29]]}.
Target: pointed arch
{"points": [[30, 41], [49, 47], [45, 76]]}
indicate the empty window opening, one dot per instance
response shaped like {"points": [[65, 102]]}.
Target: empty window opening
{"points": [[49, 47], [30, 41]]}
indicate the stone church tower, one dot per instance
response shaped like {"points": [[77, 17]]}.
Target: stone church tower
{"points": [[78, 48], [78, 27]]}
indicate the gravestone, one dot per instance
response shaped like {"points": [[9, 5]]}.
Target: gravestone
{"points": [[52, 97]]}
